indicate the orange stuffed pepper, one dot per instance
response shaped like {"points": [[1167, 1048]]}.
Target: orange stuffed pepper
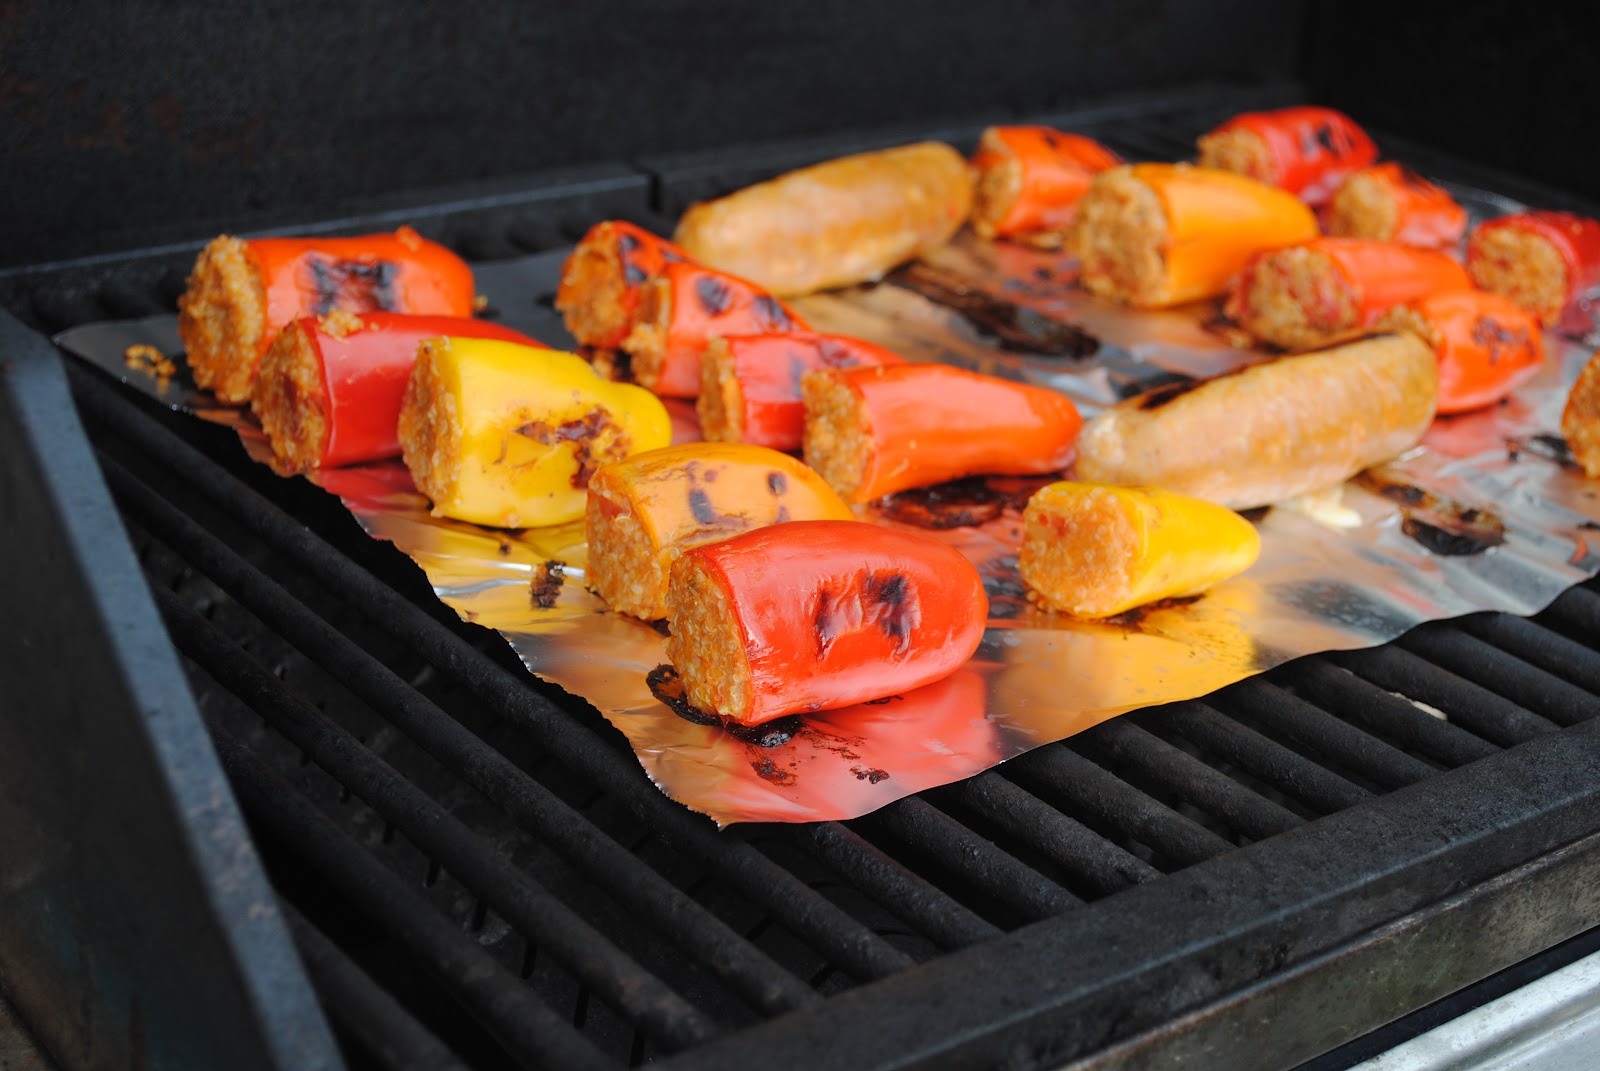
{"points": [[1154, 235], [1306, 150], [817, 615], [1030, 179], [645, 511], [242, 293], [683, 309], [603, 281], [1487, 345], [1311, 294], [1393, 203], [1544, 261], [750, 384], [875, 431]]}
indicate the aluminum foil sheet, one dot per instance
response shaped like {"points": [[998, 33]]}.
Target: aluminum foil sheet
{"points": [[1488, 514]]}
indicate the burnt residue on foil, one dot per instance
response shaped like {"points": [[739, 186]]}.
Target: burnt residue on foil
{"points": [[667, 686], [964, 503], [1438, 524], [1014, 328], [1545, 445]]}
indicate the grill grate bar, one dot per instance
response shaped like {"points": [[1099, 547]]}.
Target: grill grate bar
{"points": [[1492, 717], [358, 1005], [1357, 699], [1467, 655], [1001, 876], [1055, 770], [1578, 609], [1537, 645], [1310, 727], [550, 924], [918, 902], [1138, 749], [831, 930], [493, 995], [537, 810], [1262, 757], [1067, 842]]}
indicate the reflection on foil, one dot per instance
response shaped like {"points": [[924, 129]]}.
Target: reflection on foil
{"points": [[1509, 520]]}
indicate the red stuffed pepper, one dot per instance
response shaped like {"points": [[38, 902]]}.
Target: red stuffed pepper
{"points": [[1030, 179], [683, 309], [1306, 150], [817, 615], [329, 389], [1393, 203], [1544, 261], [750, 384], [1487, 345], [874, 431], [1312, 294], [603, 281], [242, 293]]}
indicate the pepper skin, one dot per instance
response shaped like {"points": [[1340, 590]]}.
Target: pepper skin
{"points": [[1315, 292], [816, 615], [1487, 345], [1306, 150], [241, 293], [329, 389], [602, 282], [1156, 235], [1391, 202], [874, 431], [683, 310], [504, 435], [646, 510], [750, 384], [1030, 179], [1093, 550], [1544, 261]]}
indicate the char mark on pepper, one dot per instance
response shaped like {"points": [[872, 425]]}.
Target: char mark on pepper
{"points": [[582, 433], [713, 295]]}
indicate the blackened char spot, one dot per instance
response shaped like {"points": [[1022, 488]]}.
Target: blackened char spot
{"points": [[633, 275], [891, 591], [700, 505], [768, 770], [1327, 138], [627, 243], [1256, 514], [548, 579], [777, 482], [667, 686], [712, 294], [961, 503], [1497, 338], [582, 434], [864, 773], [771, 314], [1134, 618], [1167, 392], [1450, 543]]}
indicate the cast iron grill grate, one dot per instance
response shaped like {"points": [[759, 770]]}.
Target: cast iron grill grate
{"points": [[477, 874]]}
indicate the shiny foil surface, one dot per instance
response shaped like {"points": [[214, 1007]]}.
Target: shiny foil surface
{"points": [[1488, 514]]}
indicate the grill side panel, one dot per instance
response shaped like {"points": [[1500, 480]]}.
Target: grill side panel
{"points": [[110, 922]]}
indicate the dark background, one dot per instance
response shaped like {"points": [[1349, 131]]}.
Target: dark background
{"points": [[125, 125]]}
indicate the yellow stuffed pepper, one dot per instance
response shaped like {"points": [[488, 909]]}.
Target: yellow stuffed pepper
{"points": [[507, 435], [1094, 550]]}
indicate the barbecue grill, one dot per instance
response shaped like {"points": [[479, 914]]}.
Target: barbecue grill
{"points": [[264, 802]]}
